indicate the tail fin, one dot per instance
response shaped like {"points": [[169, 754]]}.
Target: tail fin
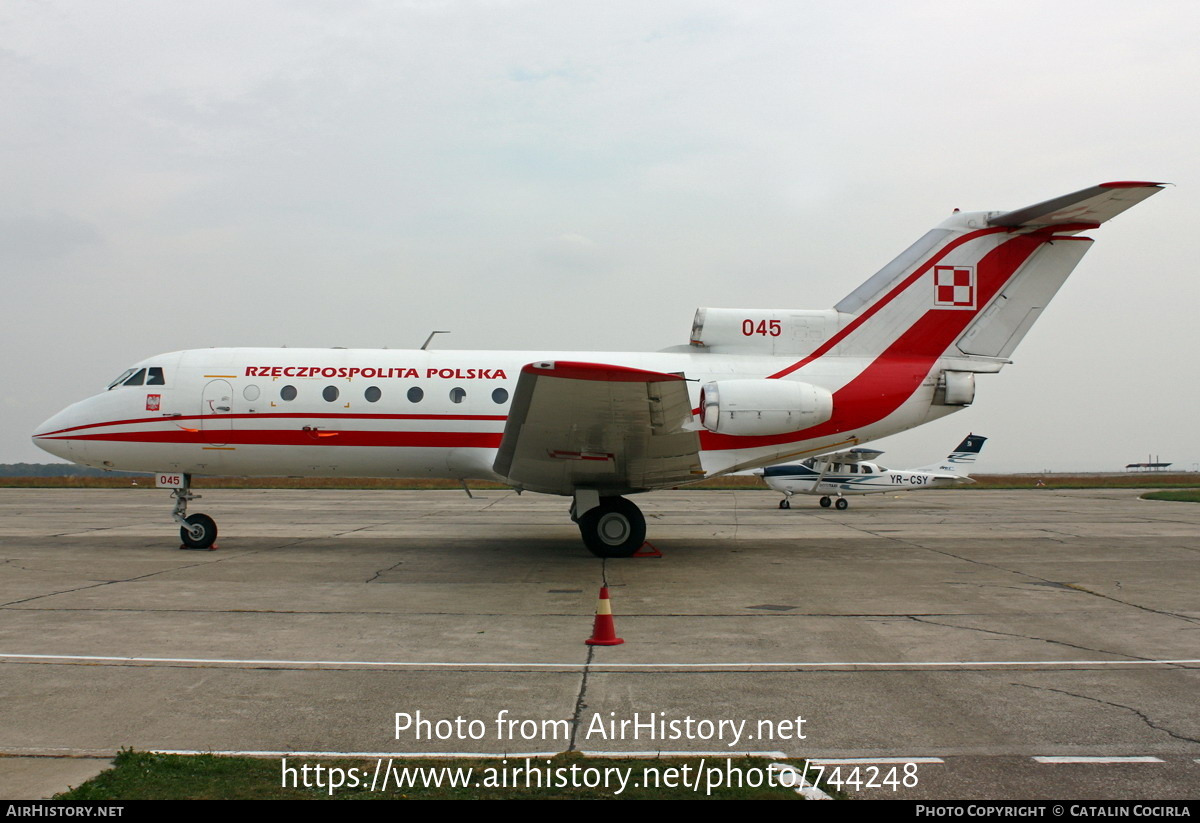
{"points": [[961, 460], [976, 283]]}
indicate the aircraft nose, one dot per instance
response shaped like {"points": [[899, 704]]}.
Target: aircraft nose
{"points": [[47, 436]]}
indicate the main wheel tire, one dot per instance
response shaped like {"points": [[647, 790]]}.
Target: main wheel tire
{"points": [[841, 503], [203, 526], [785, 504], [615, 528], [826, 502]]}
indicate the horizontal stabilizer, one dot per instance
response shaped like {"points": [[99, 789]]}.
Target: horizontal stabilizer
{"points": [[1080, 210]]}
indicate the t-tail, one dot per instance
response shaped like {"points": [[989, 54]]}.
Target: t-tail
{"points": [[960, 461], [973, 286], [953, 305]]}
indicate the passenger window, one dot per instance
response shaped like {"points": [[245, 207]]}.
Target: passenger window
{"points": [[250, 392], [457, 395], [155, 377], [330, 394], [137, 379], [500, 396], [287, 393], [415, 395], [372, 394]]}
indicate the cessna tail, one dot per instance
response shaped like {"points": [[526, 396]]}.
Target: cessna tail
{"points": [[752, 388], [833, 476]]}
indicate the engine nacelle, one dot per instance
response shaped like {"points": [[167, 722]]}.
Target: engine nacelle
{"points": [[755, 407]]}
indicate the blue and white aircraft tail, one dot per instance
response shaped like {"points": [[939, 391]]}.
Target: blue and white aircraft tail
{"points": [[854, 472]]}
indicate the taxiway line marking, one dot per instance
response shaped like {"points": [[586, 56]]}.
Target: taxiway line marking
{"points": [[870, 761], [866, 664], [1067, 758]]}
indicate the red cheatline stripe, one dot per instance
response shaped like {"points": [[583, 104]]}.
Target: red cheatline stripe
{"points": [[891, 379], [251, 437], [277, 416], [883, 301]]}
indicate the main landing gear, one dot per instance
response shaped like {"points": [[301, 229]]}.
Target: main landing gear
{"points": [[841, 504], [613, 528], [198, 531]]}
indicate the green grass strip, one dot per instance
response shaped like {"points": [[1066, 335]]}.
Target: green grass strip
{"points": [[1181, 496]]}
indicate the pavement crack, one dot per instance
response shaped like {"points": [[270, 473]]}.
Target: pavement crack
{"points": [[580, 700], [1079, 588], [1020, 636], [499, 499], [107, 583], [352, 531], [375, 576], [169, 570], [1137, 712], [1072, 586]]}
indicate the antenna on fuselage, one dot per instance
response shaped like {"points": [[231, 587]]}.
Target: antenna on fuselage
{"points": [[430, 337]]}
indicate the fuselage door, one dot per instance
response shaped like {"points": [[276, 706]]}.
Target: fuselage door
{"points": [[216, 408]]}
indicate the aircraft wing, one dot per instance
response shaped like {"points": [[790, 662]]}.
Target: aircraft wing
{"points": [[591, 425], [1081, 210], [852, 456]]}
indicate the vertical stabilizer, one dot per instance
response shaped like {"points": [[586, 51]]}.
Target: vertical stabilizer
{"points": [[960, 461]]}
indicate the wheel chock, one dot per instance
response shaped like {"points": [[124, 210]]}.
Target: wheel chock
{"points": [[185, 548], [604, 633], [647, 550]]}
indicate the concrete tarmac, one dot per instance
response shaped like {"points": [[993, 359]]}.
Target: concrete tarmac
{"points": [[975, 629]]}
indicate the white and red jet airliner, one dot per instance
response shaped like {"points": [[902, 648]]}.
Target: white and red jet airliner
{"points": [[753, 387]]}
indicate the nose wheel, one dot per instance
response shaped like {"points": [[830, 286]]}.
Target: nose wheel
{"points": [[199, 531]]}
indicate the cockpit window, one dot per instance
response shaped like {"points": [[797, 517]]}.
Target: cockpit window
{"points": [[120, 379], [150, 376]]}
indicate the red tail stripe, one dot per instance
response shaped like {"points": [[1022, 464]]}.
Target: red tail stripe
{"points": [[891, 379], [883, 301]]}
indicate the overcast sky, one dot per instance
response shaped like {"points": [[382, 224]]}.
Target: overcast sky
{"points": [[582, 176]]}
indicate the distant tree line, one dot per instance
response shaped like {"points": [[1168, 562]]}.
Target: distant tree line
{"points": [[57, 470]]}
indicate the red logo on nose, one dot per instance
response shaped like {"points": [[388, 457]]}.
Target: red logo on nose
{"points": [[153, 402], [954, 287]]}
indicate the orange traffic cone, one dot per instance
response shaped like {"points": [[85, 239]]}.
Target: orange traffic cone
{"points": [[604, 633]]}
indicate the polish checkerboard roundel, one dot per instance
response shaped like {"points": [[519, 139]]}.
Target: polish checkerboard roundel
{"points": [[954, 287]]}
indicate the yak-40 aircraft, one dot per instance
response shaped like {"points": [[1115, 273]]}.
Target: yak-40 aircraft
{"points": [[833, 476], [752, 388]]}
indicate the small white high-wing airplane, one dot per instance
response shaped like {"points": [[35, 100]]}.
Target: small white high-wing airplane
{"points": [[855, 472], [752, 388]]}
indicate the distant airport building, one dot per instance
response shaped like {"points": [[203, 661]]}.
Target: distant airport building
{"points": [[1147, 467]]}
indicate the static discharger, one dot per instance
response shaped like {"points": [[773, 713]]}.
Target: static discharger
{"points": [[604, 632]]}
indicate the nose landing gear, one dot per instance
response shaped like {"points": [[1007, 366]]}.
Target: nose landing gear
{"points": [[198, 532]]}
